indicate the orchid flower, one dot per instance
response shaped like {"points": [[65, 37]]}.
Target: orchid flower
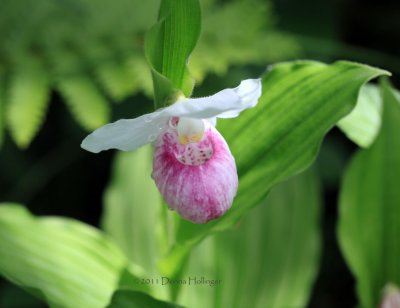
{"points": [[193, 167]]}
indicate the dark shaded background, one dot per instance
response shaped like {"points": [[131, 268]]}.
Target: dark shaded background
{"points": [[359, 30]]}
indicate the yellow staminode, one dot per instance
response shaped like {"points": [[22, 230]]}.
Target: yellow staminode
{"points": [[184, 139], [190, 130]]}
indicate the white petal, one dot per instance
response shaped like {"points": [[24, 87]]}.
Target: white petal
{"points": [[124, 134], [227, 103]]}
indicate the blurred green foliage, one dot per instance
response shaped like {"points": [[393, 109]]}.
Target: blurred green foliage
{"points": [[133, 299], [91, 52], [270, 259], [369, 224], [88, 53], [268, 152], [132, 196], [159, 241], [239, 33]]}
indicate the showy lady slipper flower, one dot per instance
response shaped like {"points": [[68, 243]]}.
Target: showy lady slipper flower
{"points": [[193, 167]]}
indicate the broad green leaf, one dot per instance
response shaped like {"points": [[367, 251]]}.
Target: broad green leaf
{"points": [[86, 103], [168, 46], [133, 208], [363, 123], [135, 217], [300, 102], [369, 221], [62, 261], [124, 298], [269, 260], [27, 101]]}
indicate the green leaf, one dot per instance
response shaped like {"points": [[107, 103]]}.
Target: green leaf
{"points": [[300, 102], [135, 217], [363, 123], [274, 252], [86, 103], [134, 299], [62, 261], [369, 222], [28, 100], [168, 46], [133, 208]]}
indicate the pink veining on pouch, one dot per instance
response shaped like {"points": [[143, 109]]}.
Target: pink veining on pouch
{"points": [[198, 180]]}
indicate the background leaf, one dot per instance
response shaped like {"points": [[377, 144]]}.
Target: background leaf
{"points": [[28, 98], [133, 208], [272, 256], [135, 217], [301, 101], [369, 224], [2, 104], [134, 299], [168, 46], [64, 262], [363, 123]]}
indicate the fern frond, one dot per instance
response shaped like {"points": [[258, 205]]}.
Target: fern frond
{"points": [[252, 39], [142, 75], [28, 99], [92, 47], [118, 78], [86, 103]]}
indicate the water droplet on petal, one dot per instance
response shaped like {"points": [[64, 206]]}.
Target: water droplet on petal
{"points": [[152, 137], [160, 126], [148, 119]]}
